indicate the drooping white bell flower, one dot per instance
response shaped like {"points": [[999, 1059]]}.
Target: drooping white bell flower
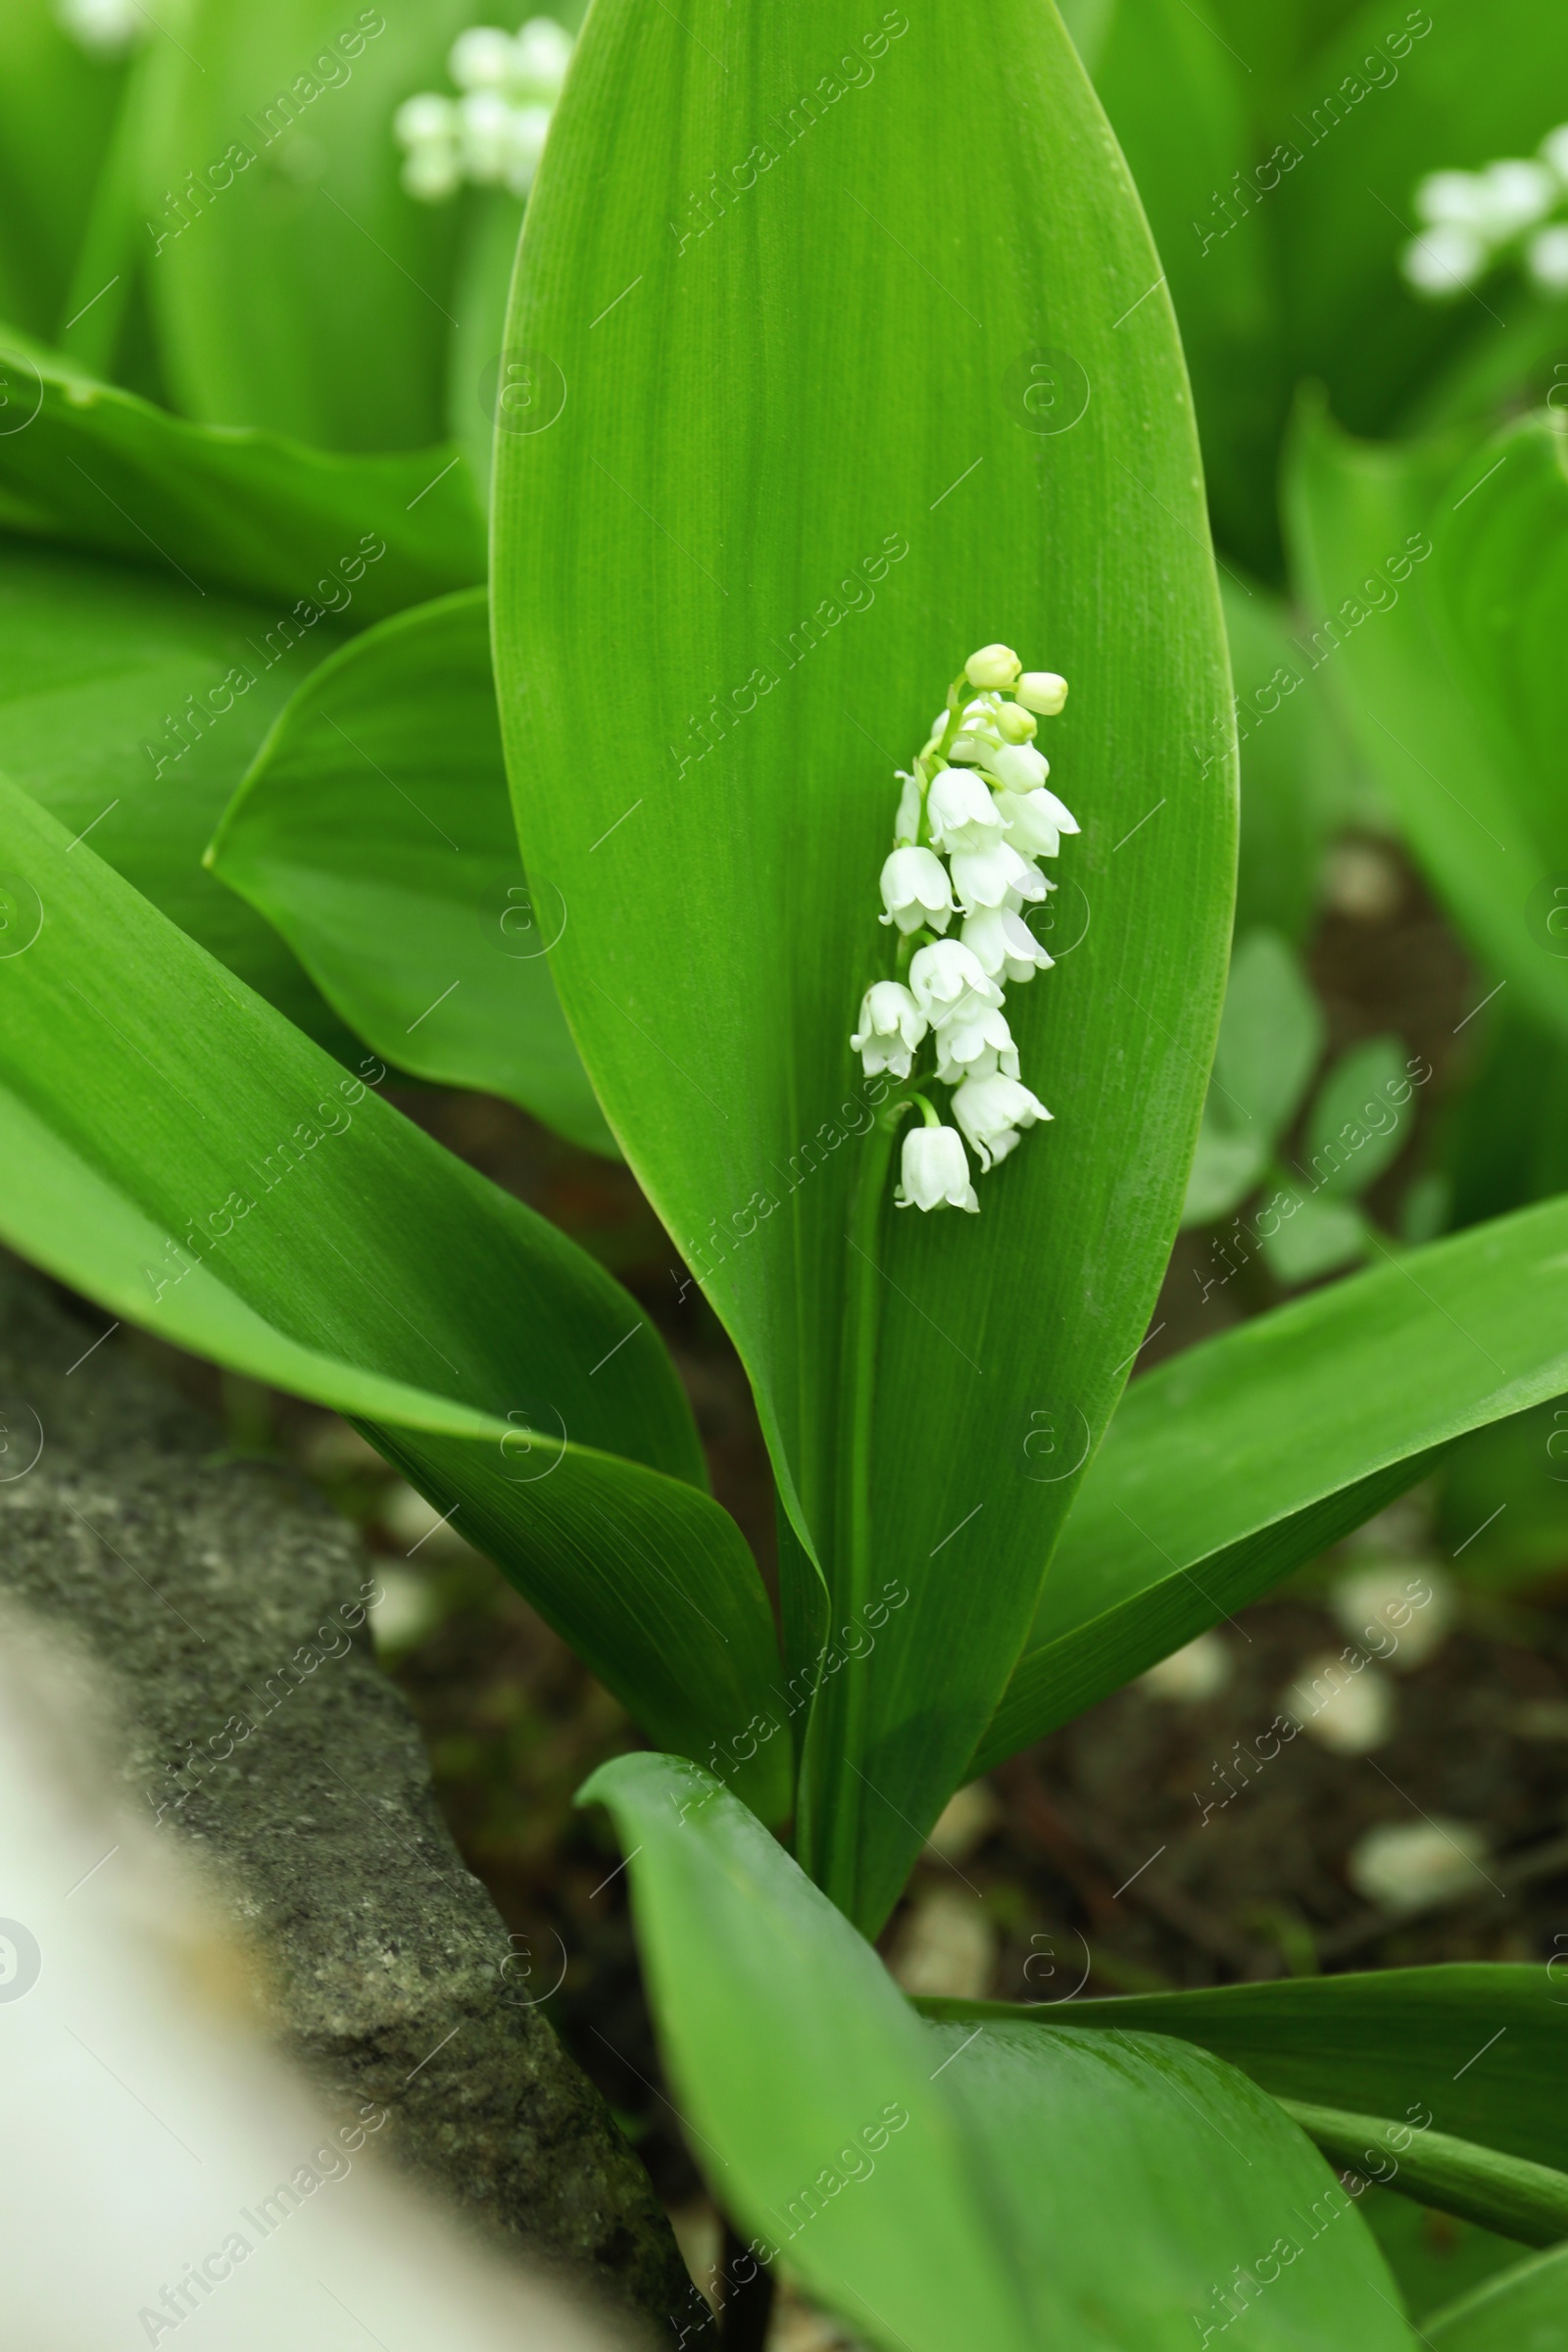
{"points": [[1018, 766], [482, 58], [1031, 887], [891, 1028], [1451, 200], [1036, 821], [961, 812], [1041, 690], [982, 1065], [907, 823], [1002, 944], [935, 1172], [947, 975], [970, 1031], [992, 666], [1445, 260], [991, 1110], [984, 877], [915, 890], [1515, 195]]}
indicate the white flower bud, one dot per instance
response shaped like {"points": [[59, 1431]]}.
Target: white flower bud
{"points": [[907, 823], [485, 121], [541, 54], [1002, 944], [433, 172], [1547, 259], [1018, 766], [1041, 690], [103, 27], [1445, 260], [935, 1172], [946, 976], [915, 891], [481, 59], [961, 812], [1014, 725], [1515, 195], [1036, 821], [991, 1110], [992, 666], [1451, 200], [891, 1027], [422, 120]]}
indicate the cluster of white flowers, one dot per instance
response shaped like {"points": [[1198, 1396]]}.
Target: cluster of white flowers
{"points": [[973, 817], [1474, 220], [494, 134], [103, 27]]}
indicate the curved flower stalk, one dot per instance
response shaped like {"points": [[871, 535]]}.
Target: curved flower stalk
{"points": [[103, 27], [1511, 210], [494, 134], [975, 815]]}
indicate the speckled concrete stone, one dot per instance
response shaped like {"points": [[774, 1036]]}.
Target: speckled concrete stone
{"points": [[227, 1602]]}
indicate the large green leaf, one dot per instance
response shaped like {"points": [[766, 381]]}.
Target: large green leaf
{"points": [[1522, 2310], [130, 707], [295, 282], [375, 830], [944, 2189], [1474, 2049], [761, 489], [1237, 1459], [174, 1148], [359, 537], [1454, 690]]}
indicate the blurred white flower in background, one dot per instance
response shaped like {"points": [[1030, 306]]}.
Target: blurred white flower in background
{"points": [[494, 134], [1411, 1865], [1347, 1708], [1471, 220], [103, 27]]}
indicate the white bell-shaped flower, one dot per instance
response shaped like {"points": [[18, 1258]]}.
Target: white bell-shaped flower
{"points": [[982, 1065], [1445, 260], [421, 121], [485, 121], [915, 891], [907, 823], [984, 877], [1451, 200], [992, 666], [1041, 690], [935, 1172], [991, 1110], [1515, 195], [970, 1031], [1036, 821], [1031, 887], [1002, 944], [432, 171], [961, 812], [482, 58], [1018, 766], [891, 1027], [947, 975]]}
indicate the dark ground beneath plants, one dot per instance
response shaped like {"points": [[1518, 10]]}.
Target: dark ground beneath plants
{"points": [[1093, 1870]]}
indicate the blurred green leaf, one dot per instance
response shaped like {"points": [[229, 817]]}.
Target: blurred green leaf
{"points": [[177, 1152], [1316, 1236], [295, 282], [1270, 1035], [1478, 2046], [1434, 2257], [57, 115], [944, 2189], [1354, 1130], [1245, 1456], [375, 830], [1522, 2310], [779, 588], [1446, 566], [1294, 783], [130, 707], [249, 511]]}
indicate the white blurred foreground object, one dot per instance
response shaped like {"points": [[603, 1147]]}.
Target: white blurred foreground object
{"points": [[161, 2165], [1411, 1865], [1345, 1706], [103, 27], [1474, 220], [1401, 1610], [494, 134]]}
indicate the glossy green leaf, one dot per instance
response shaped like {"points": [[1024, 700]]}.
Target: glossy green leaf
{"points": [[57, 113], [1353, 1129], [1242, 1457], [1528, 2202], [175, 1150], [724, 613], [1454, 690], [271, 182], [375, 832], [249, 511], [130, 707], [1522, 2310], [944, 2188], [1475, 2049]]}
